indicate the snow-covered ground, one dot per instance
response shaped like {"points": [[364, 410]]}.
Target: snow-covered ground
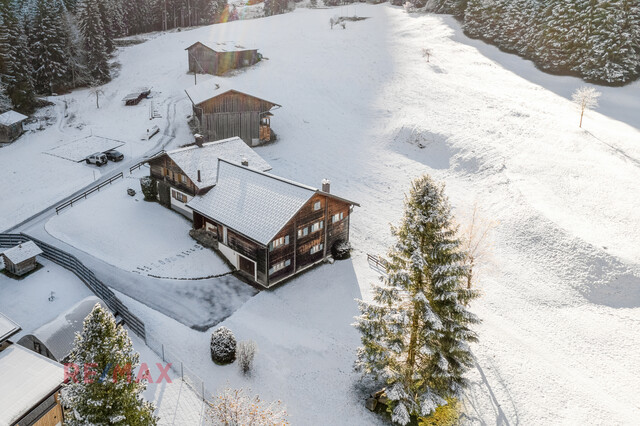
{"points": [[135, 235], [363, 107]]}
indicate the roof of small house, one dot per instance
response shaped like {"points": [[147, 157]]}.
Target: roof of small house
{"points": [[205, 158], [209, 89], [11, 117], [59, 335], [27, 378], [255, 204], [223, 46], [22, 252], [7, 328]]}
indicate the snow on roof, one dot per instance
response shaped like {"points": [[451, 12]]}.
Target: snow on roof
{"points": [[7, 328], [210, 89], [59, 335], [258, 205], [22, 252], [224, 46], [11, 117], [27, 378], [205, 159]]}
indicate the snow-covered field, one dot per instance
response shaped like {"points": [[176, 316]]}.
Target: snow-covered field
{"points": [[135, 235], [363, 107]]}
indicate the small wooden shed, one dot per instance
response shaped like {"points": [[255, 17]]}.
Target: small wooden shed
{"points": [[21, 259], [136, 96], [11, 126], [221, 58]]}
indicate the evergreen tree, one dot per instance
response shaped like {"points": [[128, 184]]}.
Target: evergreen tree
{"points": [[15, 66], [416, 332], [5, 102], [49, 46], [103, 390], [94, 42]]}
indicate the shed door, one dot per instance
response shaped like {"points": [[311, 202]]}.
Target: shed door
{"points": [[246, 265]]}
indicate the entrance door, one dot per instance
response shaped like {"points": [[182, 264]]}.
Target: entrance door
{"points": [[246, 265]]}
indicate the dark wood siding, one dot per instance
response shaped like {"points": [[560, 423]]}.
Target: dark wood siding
{"points": [[165, 169], [207, 61]]}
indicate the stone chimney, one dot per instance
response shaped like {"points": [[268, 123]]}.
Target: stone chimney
{"points": [[245, 162], [326, 186], [199, 180], [199, 139]]}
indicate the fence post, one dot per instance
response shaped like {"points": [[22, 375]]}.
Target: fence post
{"points": [[203, 391], [163, 353], [181, 371]]}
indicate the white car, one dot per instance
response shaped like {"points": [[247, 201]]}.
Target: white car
{"points": [[97, 158]]}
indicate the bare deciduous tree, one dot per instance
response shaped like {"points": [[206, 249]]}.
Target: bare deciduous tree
{"points": [[426, 53], [245, 353], [97, 92], [235, 407], [476, 242], [585, 98]]}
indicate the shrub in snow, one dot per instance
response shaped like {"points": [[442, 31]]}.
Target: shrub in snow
{"points": [[149, 188], [341, 250], [223, 346], [245, 354], [234, 407]]}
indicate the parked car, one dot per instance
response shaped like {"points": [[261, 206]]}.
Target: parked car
{"points": [[113, 155], [96, 158]]}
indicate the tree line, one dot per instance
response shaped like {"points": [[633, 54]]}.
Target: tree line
{"points": [[51, 46], [598, 40]]}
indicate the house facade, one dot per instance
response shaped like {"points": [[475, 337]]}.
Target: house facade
{"points": [[224, 113], [186, 172], [11, 126], [270, 228], [219, 59]]}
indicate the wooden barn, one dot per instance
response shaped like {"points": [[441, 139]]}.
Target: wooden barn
{"points": [[224, 113], [221, 58], [267, 227], [21, 259], [192, 170], [136, 96], [11, 126]]}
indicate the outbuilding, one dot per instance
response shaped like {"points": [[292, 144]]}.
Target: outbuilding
{"points": [[21, 259], [221, 58], [11, 126]]}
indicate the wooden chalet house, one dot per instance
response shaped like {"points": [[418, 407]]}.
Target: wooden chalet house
{"points": [[21, 259], [224, 113], [30, 383], [11, 126], [186, 172], [270, 228], [221, 58]]}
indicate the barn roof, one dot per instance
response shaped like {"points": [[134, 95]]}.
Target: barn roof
{"points": [[11, 117], [59, 335], [22, 252], [7, 328], [27, 378], [223, 46], [209, 89], [205, 158], [255, 204]]}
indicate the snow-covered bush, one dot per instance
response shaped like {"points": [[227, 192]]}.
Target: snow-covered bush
{"points": [[234, 407], [245, 354], [223, 346], [341, 250], [149, 188], [409, 7]]}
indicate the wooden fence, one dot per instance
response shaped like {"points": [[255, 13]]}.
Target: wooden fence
{"points": [[89, 191], [87, 276]]}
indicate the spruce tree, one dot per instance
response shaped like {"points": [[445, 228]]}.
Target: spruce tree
{"points": [[94, 42], [49, 46], [5, 102], [104, 391], [416, 333]]}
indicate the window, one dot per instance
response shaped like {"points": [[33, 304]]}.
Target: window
{"points": [[179, 196], [337, 217], [282, 241], [303, 232], [183, 178], [279, 266], [317, 226], [315, 249], [317, 205], [36, 347]]}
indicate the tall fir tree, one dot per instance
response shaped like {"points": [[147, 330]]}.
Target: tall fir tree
{"points": [[15, 59], [416, 333], [104, 391], [49, 49], [5, 102], [93, 42]]}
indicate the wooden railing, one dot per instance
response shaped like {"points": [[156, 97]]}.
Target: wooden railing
{"points": [[89, 191], [138, 165], [377, 262]]}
